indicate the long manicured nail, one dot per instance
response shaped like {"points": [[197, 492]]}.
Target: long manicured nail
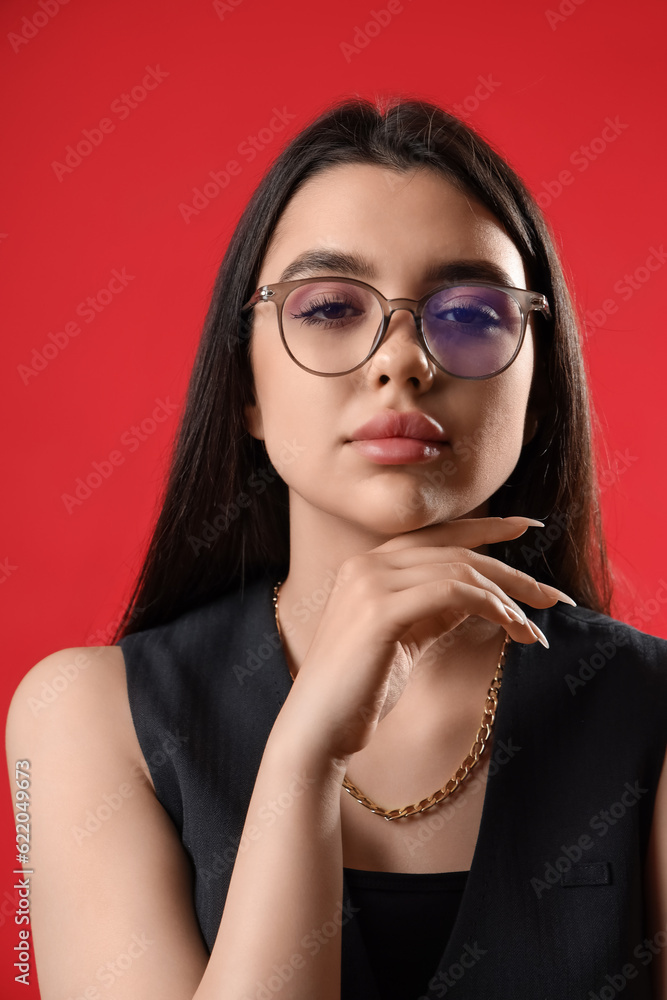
{"points": [[516, 615], [559, 593], [539, 634]]}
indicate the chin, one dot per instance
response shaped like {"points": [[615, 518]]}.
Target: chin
{"points": [[401, 521]]}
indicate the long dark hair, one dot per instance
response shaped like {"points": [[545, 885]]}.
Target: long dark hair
{"points": [[223, 515]]}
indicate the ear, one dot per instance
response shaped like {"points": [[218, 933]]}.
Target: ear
{"points": [[253, 420]]}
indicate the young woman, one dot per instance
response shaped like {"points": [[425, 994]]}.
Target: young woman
{"points": [[368, 730]]}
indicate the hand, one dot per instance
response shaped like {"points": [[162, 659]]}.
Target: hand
{"points": [[387, 607]]}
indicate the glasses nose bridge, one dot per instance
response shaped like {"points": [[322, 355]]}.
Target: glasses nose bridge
{"points": [[397, 305], [407, 305]]}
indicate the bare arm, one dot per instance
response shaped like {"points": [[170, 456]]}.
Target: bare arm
{"points": [[111, 897], [111, 909], [287, 882]]}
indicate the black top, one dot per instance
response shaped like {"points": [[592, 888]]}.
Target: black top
{"points": [[554, 901], [405, 919]]}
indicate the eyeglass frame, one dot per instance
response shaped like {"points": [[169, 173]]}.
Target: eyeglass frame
{"points": [[277, 292]]}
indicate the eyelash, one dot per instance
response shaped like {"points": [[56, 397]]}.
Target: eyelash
{"points": [[323, 303]]}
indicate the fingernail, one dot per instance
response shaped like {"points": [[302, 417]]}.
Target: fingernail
{"points": [[520, 517], [539, 634], [561, 596], [516, 615]]}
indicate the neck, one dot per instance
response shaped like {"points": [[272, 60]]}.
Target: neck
{"points": [[319, 544]]}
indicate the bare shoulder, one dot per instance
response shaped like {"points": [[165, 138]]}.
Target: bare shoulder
{"points": [[110, 883], [79, 686]]}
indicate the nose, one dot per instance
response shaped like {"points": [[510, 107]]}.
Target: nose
{"points": [[400, 354]]}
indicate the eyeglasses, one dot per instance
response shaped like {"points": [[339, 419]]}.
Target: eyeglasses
{"points": [[332, 326]]}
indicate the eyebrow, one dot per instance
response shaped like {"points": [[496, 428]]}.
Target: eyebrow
{"points": [[312, 262]]}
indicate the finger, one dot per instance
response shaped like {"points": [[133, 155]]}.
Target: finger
{"points": [[449, 598], [470, 532], [412, 576], [514, 582]]}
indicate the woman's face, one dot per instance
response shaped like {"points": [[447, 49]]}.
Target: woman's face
{"points": [[401, 224]]}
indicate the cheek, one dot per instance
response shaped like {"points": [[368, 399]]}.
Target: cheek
{"points": [[501, 428], [507, 400], [275, 376], [492, 418], [505, 406], [297, 420]]}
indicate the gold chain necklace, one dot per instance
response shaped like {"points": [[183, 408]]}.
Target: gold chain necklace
{"points": [[478, 747]]}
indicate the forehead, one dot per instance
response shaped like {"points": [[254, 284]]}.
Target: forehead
{"points": [[394, 219]]}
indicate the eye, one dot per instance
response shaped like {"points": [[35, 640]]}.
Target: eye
{"points": [[468, 313], [327, 311], [472, 311]]}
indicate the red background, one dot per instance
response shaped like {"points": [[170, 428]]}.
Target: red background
{"points": [[555, 80]]}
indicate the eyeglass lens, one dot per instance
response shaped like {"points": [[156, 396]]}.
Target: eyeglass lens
{"points": [[330, 327]]}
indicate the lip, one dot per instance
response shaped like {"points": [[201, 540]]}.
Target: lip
{"points": [[398, 450], [396, 437], [401, 424]]}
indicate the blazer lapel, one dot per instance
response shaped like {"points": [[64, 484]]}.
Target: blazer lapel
{"points": [[468, 937]]}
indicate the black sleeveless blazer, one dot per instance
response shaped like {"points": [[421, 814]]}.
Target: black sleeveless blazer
{"points": [[553, 905]]}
